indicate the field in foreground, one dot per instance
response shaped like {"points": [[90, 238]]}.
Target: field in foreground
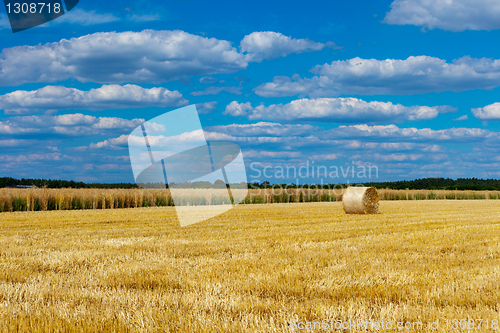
{"points": [[252, 269]]}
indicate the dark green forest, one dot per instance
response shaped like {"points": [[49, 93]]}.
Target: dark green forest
{"points": [[442, 184], [52, 183]]}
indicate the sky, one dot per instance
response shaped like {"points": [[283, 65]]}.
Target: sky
{"points": [[407, 89]]}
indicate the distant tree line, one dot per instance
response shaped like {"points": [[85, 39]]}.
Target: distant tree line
{"points": [[417, 184], [52, 183], [463, 184]]}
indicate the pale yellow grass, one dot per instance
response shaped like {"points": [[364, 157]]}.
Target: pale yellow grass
{"points": [[252, 269]]}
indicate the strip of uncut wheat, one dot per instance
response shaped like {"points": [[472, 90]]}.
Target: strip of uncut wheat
{"points": [[76, 199]]}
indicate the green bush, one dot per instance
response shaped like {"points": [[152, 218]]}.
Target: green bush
{"points": [[478, 196], [258, 200], [19, 204]]}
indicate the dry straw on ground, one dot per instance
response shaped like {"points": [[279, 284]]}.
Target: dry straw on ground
{"points": [[360, 200], [252, 269]]}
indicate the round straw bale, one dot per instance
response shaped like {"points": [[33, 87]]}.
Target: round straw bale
{"points": [[360, 200]]}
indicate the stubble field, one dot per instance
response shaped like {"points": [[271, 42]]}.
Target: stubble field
{"points": [[255, 268]]}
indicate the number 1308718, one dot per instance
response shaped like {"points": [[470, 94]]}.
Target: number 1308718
{"points": [[455, 324], [33, 7]]}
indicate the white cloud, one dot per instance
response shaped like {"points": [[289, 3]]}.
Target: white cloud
{"points": [[395, 151], [415, 75], [271, 154], [119, 142], [68, 124], [110, 123], [325, 157], [263, 129], [180, 141], [208, 80], [64, 119], [110, 57], [236, 109], [33, 157], [395, 133], [397, 157], [358, 138], [83, 17], [335, 110], [106, 97], [353, 137], [207, 107], [451, 15], [86, 18], [271, 45], [145, 17], [387, 144], [464, 117], [489, 112], [147, 56], [168, 141], [218, 90], [17, 143]]}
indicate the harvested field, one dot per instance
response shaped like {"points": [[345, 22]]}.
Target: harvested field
{"points": [[252, 269]]}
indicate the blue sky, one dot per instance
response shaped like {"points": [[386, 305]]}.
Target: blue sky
{"points": [[410, 87]]}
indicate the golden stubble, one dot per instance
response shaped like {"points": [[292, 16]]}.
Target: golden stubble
{"points": [[252, 269]]}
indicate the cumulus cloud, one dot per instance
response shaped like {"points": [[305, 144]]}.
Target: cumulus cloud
{"points": [[415, 75], [147, 56], [455, 15], [263, 129], [398, 134], [180, 142], [207, 107], [106, 97], [311, 140], [307, 139], [113, 143], [394, 150], [271, 45], [271, 154], [489, 112], [363, 136], [335, 110], [67, 124], [32, 157], [17, 143], [218, 90], [464, 117], [397, 157], [110, 57]]}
